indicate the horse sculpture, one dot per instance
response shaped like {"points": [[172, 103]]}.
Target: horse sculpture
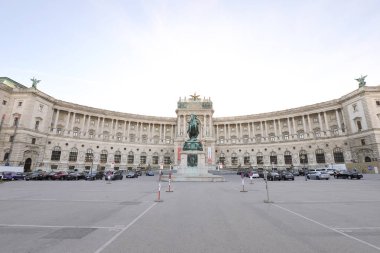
{"points": [[193, 128]]}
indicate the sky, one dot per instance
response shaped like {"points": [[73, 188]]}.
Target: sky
{"points": [[141, 56]]}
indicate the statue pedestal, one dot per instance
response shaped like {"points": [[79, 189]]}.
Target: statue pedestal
{"points": [[193, 168]]}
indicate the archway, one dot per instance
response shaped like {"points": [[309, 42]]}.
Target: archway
{"points": [[367, 159], [27, 165]]}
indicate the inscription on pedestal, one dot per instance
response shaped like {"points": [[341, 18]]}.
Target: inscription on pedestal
{"points": [[192, 160]]}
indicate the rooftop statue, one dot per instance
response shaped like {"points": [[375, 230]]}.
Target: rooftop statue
{"points": [[35, 82], [361, 81], [194, 97]]}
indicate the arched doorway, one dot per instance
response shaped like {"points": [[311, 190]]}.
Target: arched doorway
{"points": [[27, 165]]}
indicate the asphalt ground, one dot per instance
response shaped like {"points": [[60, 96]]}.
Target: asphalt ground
{"points": [[337, 215]]}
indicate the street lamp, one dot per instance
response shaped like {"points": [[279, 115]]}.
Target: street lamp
{"points": [[303, 158]]}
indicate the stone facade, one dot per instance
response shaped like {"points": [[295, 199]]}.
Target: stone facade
{"points": [[38, 131]]}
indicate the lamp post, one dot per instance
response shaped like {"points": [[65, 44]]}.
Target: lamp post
{"points": [[303, 158]]}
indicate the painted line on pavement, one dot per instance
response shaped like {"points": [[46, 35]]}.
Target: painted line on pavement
{"points": [[124, 229], [330, 228]]}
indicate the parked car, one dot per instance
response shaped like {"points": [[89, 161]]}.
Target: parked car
{"points": [[346, 174], [132, 174], [114, 175], [273, 176], [286, 175], [60, 175], [317, 175], [75, 175], [149, 173], [10, 175]]}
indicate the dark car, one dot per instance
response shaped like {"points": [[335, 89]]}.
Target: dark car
{"points": [[36, 175], [132, 174], [286, 175], [149, 173], [345, 174], [10, 175], [75, 175], [273, 176], [114, 175], [94, 175]]}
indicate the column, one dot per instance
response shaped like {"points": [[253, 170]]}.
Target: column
{"points": [[289, 129], [309, 122], [217, 133], [304, 125], [129, 129], [320, 122], [124, 128], [338, 122], [178, 125], [67, 122], [97, 127], [326, 124], [82, 126], [266, 129], [275, 127], [56, 120], [294, 126]]}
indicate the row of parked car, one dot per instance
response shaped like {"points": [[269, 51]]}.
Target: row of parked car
{"points": [[72, 175]]}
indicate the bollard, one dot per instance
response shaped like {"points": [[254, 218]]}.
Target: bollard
{"points": [[159, 193], [242, 183], [170, 179]]}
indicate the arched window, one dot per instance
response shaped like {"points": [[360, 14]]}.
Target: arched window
{"points": [[260, 158], [320, 156], [103, 156], [6, 155], [91, 134], [288, 157], [338, 155], [76, 131], [247, 159], [155, 158], [273, 157], [117, 157], [222, 158], [303, 157], [131, 158], [89, 158], [73, 156], [234, 159], [143, 158], [167, 159], [56, 154]]}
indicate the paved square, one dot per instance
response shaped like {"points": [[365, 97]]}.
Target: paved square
{"points": [[78, 216]]}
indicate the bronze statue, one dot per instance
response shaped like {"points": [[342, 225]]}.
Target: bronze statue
{"points": [[361, 81], [35, 82], [193, 128]]}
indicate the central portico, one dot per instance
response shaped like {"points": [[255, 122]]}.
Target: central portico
{"points": [[195, 153]]}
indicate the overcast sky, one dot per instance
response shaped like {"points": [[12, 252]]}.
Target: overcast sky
{"points": [[140, 56]]}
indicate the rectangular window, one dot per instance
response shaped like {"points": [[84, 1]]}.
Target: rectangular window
{"points": [[363, 141], [33, 140], [11, 138], [19, 103], [315, 120], [378, 102], [77, 120], [4, 102], [286, 137], [36, 125]]}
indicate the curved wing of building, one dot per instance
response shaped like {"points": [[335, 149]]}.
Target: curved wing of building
{"points": [[38, 131]]}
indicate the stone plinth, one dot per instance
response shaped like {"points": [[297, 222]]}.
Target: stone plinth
{"points": [[197, 173]]}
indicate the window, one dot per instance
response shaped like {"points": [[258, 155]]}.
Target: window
{"points": [[15, 122], [286, 136], [36, 125], [167, 159], [378, 102], [11, 138], [363, 142], [119, 136], [77, 120], [103, 156], [299, 122], [33, 140], [246, 159], [59, 131], [300, 135], [130, 158], [91, 134], [4, 102], [234, 159], [155, 158], [56, 154], [320, 156], [76, 132], [336, 131], [355, 107], [273, 158], [338, 155], [222, 159], [6, 156], [317, 134], [41, 108], [221, 140], [258, 138], [285, 124], [315, 120], [19, 103], [303, 157], [117, 157], [89, 157], [132, 138], [143, 158], [92, 122], [259, 158], [359, 124], [73, 155], [272, 138], [288, 157]]}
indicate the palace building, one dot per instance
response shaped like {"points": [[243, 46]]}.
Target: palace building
{"points": [[38, 131]]}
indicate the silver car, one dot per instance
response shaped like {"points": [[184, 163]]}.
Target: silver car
{"points": [[317, 175]]}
